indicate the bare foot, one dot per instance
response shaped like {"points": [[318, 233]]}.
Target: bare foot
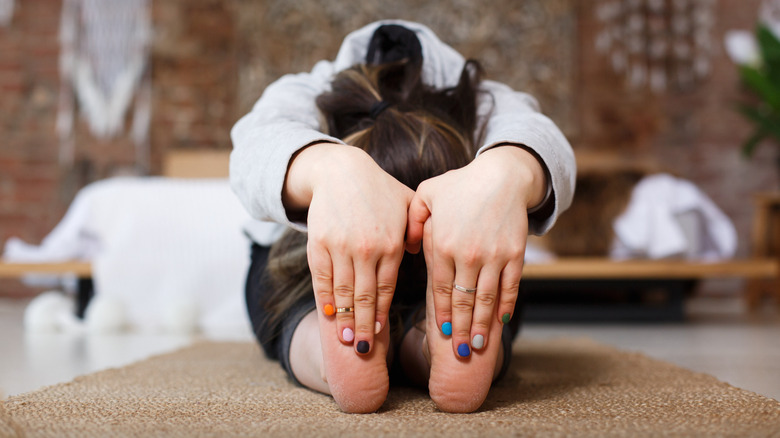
{"points": [[460, 384], [358, 383]]}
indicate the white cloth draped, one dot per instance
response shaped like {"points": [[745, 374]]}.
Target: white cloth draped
{"points": [[671, 217]]}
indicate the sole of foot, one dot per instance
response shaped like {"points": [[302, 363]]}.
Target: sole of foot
{"points": [[358, 383], [460, 384]]}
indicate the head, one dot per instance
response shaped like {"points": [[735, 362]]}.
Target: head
{"points": [[412, 131]]}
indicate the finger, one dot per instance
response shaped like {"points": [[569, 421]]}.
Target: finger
{"points": [[441, 271], [508, 290], [463, 308], [321, 268], [344, 296], [386, 278], [484, 306], [415, 225], [364, 303]]}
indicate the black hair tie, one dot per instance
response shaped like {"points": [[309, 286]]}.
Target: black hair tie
{"points": [[377, 108]]}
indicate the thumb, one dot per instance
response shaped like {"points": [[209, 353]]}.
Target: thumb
{"points": [[418, 214]]}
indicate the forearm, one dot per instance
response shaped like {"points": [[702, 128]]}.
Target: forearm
{"points": [[522, 169], [299, 181]]}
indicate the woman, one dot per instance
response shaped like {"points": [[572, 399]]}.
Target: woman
{"points": [[472, 222]]}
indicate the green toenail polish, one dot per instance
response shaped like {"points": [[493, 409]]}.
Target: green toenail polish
{"points": [[505, 319]]}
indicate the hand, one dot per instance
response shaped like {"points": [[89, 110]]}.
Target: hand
{"points": [[356, 223], [473, 226]]}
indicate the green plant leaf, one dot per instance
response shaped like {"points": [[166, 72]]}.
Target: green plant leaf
{"points": [[769, 46], [750, 144], [762, 85], [767, 121]]}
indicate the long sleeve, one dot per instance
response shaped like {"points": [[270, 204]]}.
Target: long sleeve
{"points": [[514, 117], [284, 120]]}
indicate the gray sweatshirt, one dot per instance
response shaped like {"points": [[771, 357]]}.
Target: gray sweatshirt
{"points": [[286, 119]]}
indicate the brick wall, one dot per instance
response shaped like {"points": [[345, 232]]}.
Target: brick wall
{"points": [[194, 80], [209, 56], [695, 134]]}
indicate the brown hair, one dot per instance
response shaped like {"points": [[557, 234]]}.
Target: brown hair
{"points": [[412, 131]]}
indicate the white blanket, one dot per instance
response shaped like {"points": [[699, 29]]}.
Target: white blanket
{"points": [[671, 217], [158, 245]]}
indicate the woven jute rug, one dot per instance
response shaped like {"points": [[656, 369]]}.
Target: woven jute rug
{"points": [[562, 387]]}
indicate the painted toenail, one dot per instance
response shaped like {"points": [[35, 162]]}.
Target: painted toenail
{"points": [[505, 319], [328, 310], [362, 347], [478, 342], [464, 350], [348, 334], [446, 328]]}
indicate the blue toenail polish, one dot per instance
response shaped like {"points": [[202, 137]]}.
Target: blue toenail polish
{"points": [[362, 347], [463, 350], [446, 328]]}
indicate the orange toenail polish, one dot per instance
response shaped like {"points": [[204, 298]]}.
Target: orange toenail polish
{"points": [[328, 310]]}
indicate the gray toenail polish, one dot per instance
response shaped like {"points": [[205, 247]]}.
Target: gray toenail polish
{"points": [[362, 347]]}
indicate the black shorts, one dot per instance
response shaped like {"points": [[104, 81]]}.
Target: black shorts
{"points": [[407, 309]]}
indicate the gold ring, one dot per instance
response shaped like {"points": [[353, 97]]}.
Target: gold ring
{"points": [[465, 289], [345, 309]]}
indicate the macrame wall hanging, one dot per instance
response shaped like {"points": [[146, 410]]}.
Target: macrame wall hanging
{"points": [[6, 12], [660, 44], [104, 64]]}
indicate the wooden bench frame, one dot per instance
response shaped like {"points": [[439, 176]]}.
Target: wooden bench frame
{"points": [[555, 291], [565, 268], [602, 268], [673, 276]]}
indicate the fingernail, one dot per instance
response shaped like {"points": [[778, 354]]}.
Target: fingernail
{"points": [[348, 334], [328, 310], [362, 347], [464, 350], [478, 342], [377, 327], [505, 319], [446, 328]]}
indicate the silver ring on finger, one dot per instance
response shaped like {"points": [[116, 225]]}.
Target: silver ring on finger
{"points": [[465, 289]]}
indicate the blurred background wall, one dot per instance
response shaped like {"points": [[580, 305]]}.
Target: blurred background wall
{"points": [[211, 59]]}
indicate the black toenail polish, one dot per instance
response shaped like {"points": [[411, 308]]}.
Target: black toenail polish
{"points": [[362, 347]]}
